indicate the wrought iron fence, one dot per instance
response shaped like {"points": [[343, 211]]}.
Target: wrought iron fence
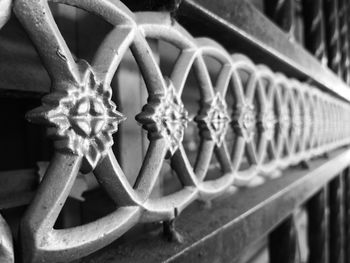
{"points": [[277, 122]]}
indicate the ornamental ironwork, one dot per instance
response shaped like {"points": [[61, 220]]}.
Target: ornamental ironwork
{"points": [[165, 116], [215, 120], [268, 122], [245, 121], [81, 117]]}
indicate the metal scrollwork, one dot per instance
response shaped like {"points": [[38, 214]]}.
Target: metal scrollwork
{"points": [[273, 125]]}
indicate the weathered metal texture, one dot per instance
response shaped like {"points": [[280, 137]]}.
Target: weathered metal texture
{"points": [[278, 122], [344, 39], [317, 228], [234, 222], [332, 36], [283, 242], [346, 178], [336, 220], [282, 12]]}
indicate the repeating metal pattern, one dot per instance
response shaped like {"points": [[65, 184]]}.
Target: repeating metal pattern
{"points": [[278, 122]]}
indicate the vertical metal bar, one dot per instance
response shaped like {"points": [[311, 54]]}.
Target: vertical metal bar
{"points": [[283, 242], [282, 12], [346, 178], [344, 39], [336, 221], [317, 206], [314, 29], [317, 228], [332, 35]]}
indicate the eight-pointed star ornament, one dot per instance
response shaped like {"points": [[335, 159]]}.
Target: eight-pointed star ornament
{"points": [[82, 118]]}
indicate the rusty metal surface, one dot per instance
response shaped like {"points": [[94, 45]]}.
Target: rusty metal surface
{"points": [[278, 122]]}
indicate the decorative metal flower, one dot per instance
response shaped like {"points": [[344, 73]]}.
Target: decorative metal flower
{"points": [[308, 121], [268, 122], [297, 122], [245, 121], [82, 118], [284, 122], [165, 116], [214, 120]]}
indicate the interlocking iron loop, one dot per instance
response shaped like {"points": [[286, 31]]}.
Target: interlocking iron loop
{"points": [[277, 121]]}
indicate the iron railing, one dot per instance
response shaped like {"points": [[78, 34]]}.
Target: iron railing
{"points": [[278, 122]]}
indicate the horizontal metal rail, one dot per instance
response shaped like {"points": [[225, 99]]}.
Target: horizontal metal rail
{"points": [[247, 213], [274, 118], [243, 28]]}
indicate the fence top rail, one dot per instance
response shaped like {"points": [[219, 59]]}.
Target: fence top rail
{"points": [[230, 227], [245, 29], [242, 29]]}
